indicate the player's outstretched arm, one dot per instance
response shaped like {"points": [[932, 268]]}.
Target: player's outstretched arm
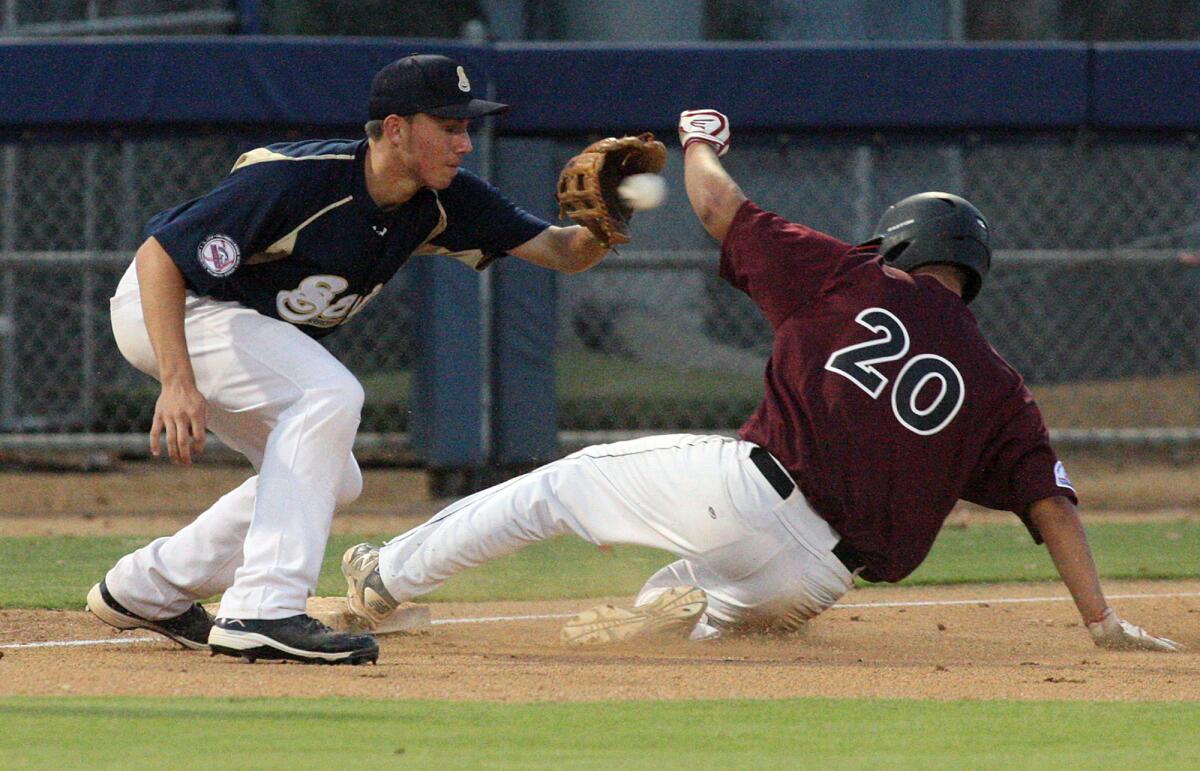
{"points": [[715, 197], [567, 250], [181, 410], [1058, 521]]}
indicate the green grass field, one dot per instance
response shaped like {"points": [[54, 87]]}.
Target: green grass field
{"points": [[793, 733], [57, 572]]}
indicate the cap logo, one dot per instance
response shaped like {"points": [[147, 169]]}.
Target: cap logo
{"points": [[463, 84], [219, 255]]}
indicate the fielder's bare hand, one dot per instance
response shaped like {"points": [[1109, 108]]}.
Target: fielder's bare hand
{"points": [[182, 412], [1116, 634]]}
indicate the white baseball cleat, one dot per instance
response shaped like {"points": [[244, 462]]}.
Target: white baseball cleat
{"points": [[366, 595], [674, 612]]}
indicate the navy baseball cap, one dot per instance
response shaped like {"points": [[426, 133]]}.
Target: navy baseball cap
{"points": [[428, 83]]}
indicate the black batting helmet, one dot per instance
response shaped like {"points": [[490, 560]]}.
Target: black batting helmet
{"points": [[930, 228]]}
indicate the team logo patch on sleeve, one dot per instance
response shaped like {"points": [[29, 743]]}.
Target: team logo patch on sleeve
{"points": [[1061, 478], [219, 255]]}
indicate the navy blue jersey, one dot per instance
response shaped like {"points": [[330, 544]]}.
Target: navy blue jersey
{"points": [[293, 233]]}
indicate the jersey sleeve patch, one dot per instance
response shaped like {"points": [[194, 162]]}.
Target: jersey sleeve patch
{"points": [[1061, 478], [219, 255]]}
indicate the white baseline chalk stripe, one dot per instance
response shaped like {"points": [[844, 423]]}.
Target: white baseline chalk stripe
{"points": [[545, 616], [1004, 601], [490, 619], [81, 643], [898, 604]]}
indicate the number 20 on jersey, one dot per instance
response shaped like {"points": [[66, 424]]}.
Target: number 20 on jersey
{"points": [[857, 363]]}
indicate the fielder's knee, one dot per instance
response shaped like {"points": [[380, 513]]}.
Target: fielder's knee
{"points": [[339, 402], [349, 396], [350, 486]]}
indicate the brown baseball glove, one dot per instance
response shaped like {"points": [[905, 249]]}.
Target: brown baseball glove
{"points": [[587, 186]]}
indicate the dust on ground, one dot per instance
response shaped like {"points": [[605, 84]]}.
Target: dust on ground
{"points": [[984, 648]]}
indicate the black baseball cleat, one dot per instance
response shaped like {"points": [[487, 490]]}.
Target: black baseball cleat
{"points": [[190, 628], [296, 638]]}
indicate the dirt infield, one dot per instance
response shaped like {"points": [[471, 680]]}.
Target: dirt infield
{"points": [[967, 642], [1121, 482], [988, 648]]}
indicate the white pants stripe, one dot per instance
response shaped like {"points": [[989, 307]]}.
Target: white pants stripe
{"points": [[763, 561], [278, 397]]}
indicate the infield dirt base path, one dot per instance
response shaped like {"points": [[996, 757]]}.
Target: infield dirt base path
{"points": [[984, 649], [987, 648]]}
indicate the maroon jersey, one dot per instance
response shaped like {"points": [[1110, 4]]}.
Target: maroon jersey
{"points": [[883, 399]]}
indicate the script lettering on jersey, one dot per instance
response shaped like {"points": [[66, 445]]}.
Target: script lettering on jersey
{"points": [[316, 302], [857, 363]]}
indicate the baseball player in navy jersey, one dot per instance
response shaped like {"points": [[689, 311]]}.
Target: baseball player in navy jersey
{"points": [[883, 406], [224, 304]]}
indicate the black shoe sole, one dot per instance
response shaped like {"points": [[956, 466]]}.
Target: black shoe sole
{"points": [[267, 653], [124, 622], [311, 643]]}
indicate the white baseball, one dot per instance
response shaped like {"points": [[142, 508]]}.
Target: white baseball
{"points": [[642, 191]]}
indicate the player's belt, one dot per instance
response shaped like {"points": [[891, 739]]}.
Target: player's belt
{"points": [[847, 555], [773, 472]]}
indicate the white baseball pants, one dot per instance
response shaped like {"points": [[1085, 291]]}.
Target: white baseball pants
{"points": [[764, 562], [278, 397]]}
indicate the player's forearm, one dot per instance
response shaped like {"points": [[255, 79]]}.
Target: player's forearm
{"points": [[163, 293], [583, 250], [714, 196], [566, 250], [1067, 543]]}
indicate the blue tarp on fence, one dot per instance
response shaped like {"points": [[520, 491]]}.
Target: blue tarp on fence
{"points": [[75, 86], [583, 87]]}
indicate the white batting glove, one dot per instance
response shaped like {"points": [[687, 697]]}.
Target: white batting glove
{"points": [[1112, 632], [708, 126]]}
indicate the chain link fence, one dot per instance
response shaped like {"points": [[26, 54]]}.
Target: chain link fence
{"points": [[71, 216], [1092, 295]]}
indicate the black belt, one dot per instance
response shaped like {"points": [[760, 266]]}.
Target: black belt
{"points": [[779, 479], [848, 556], [785, 485]]}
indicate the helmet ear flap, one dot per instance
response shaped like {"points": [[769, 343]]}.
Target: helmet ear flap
{"points": [[894, 253]]}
